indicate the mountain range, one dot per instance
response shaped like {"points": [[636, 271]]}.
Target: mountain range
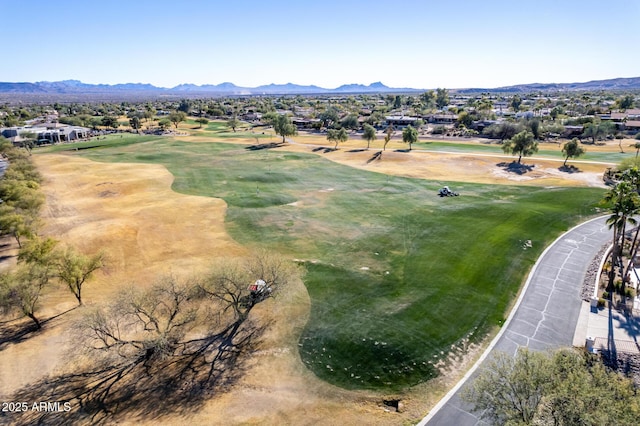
{"points": [[77, 88], [222, 89]]}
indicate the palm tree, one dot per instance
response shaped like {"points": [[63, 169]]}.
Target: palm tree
{"points": [[636, 146], [632, 176], [625, 203]]}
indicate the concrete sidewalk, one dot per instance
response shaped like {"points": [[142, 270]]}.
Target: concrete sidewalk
{"points": [[604, 326]]}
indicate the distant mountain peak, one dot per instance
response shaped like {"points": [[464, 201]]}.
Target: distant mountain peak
{"points": [[77, 90]]}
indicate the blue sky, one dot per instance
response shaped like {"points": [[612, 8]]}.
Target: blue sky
{"points": [[419, 44]]}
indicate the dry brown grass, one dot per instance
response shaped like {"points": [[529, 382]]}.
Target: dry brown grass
{"points": [[455, 167], [130, 212]]}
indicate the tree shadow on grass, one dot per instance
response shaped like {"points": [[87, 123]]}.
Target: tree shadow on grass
{"points": [[402, 150], [261, 146], [145, 388], [569, 169], [323, 149], [515, 167], [357, 150], [375, 156], [16, 331]]}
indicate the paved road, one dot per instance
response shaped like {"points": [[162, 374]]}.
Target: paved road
{"points": [[545, 316]]}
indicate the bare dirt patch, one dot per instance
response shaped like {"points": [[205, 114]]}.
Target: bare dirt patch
{"points": [[447, 166]]}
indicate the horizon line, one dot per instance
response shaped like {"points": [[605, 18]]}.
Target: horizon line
{"points": [[308, 85]]}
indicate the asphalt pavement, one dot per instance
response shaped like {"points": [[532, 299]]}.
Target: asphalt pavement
{"points": [[545, 315]]}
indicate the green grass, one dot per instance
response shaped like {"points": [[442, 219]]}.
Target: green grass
{"points": [[108, 141], [399, 276], [220, 130]]}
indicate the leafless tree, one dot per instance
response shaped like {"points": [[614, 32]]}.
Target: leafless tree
{"points": [[240, 285], [168, 347], [143, 324]]}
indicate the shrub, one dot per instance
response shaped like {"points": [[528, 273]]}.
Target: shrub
{"points": [[601, 303], [438, 130], [629, 163]]}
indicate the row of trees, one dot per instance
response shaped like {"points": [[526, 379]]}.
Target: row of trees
{"points": [[19, 192], [40, 261], [409, 135], [523, 144], [594, 129]]}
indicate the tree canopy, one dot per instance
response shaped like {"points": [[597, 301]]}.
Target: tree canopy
{"points": [[177, 117], [282, 125], [409, 135], [74, 269], [337, 136], [369, 134], [233, 123], [442, 98], [597, 130], [522, 144], [565, 387], [572, 149], [350, 122]]}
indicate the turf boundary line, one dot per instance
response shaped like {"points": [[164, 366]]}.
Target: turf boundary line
{"points": [[503, 329]]}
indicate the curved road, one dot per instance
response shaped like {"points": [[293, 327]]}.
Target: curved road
{"points": [[545, 315]]}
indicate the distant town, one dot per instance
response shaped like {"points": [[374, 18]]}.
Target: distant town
{"points": [[41, 113]]}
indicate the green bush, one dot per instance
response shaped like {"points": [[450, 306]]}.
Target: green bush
{"points": [[629, 163]]}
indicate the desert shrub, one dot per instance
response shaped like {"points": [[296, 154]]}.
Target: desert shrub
{"points": [[438, 130]]}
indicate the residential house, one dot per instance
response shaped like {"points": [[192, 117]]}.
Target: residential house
{"points": [[400, 121]]}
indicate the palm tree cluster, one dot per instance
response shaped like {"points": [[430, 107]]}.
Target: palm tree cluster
{"points": [[624, 204]]}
